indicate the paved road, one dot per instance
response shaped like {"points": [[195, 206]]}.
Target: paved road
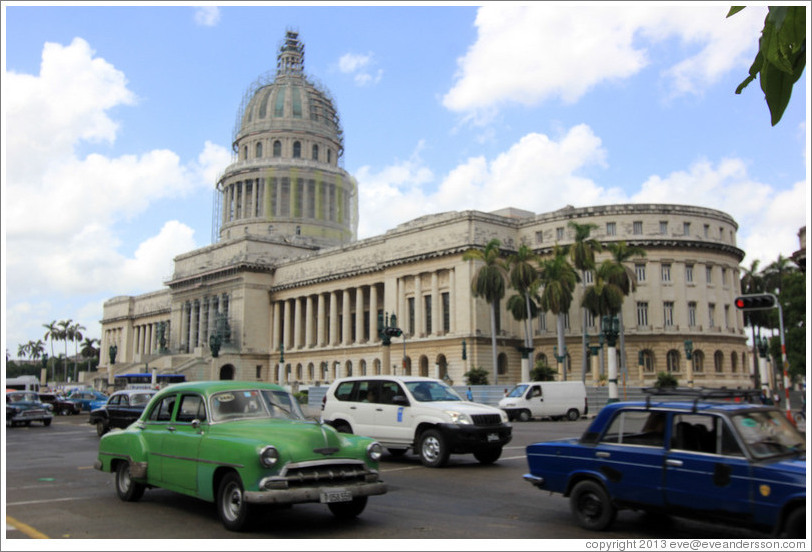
{"points": [[53, 491]]}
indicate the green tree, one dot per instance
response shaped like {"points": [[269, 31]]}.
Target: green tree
{"points": [[781, 56], [64, 325], [22, 350], [542, 372], [582, 254], [603, 297], [524, 279], [559, 278], [89, 350], [35, 349], [51, 335], [752, 282], [489, 283], [75, 335], [664, 379], [623, 277], [476, 376]]}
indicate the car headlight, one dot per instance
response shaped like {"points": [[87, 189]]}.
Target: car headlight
{"points": [[268, 456], [375, 451], [504, 416], [459, 417], [48, 406]]}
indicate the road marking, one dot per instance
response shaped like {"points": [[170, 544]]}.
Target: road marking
{"points": [[27, 529], [48, 500]]}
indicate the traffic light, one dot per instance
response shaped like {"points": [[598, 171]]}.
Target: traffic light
{"points": [[757, 301]]}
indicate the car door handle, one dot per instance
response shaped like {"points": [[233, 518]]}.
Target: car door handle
{"points": [[672, 462], [602, 454], [379, 410], [170, 428], [353, 407]]}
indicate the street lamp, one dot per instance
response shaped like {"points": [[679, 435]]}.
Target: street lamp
{"points": [[560, 360], [610, 329], [689, 349]]}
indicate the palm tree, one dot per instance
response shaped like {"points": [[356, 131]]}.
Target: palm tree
{"points": [[22, 350], [75, 335], [52, 334], [623, 277], [523, 276], [752, 282], [774, 274], [603, 297], [582, 253], [64, 325], [35, 349], [558, 277], [489, 283], [89, 350]]}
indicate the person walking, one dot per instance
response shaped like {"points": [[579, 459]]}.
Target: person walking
{"points": [[470, 394]]}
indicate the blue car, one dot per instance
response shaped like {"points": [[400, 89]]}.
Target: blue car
{"points": [[711, 455], [87, 399]]}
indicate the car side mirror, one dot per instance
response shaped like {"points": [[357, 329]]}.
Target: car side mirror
{"points": [[196, 423], [400, 400]]}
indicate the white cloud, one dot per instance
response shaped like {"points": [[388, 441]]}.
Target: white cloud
{"points": [[575, 50], [360, 67], [207, 16]]}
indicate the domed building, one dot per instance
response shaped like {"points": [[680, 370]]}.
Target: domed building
{"points": [[287, 294]]}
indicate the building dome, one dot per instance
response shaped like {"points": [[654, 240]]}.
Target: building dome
{"points": [[286, 180]]}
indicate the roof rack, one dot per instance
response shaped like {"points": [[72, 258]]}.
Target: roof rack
{"points": [[700, 393]]}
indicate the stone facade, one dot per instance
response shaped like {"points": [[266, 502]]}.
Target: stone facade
{"points": [[303, 298]]}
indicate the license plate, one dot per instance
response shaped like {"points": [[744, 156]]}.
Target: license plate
{"points": [[329, 497], [493, 437]]}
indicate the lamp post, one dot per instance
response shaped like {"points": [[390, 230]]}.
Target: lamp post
{"points": [[559, 359], [689, 349], [641, 367], [763, 345], [594, 351], [610, 328]]}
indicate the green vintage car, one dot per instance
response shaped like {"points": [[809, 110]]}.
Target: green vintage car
{"points": [[239, 444]]}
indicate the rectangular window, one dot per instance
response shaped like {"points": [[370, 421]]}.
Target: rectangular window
{"points": [[611, 229], [542, 322], [539, 237], [590, 320], [686, 228], [642, 313], [692, 314], [727, 316], [689, 273], [668, 314], [559, 233], [566, 321], [587, 277], [637, 227], [410, 301], [446, 302], [663, 227], [427, 311], [711, 315], [640, 272], [724, 276], [706, 230], [709, 274], [665, 270]]}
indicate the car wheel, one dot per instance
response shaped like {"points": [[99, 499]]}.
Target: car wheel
{"points": [[343, 427], [573, 414], [348, 510], [127, 489], [396, 452], [101, 428], [795, 526], [524, 415], [591, 506], [232, 508], [489, 455], [46, 422], [433, 450], [65, 411]]}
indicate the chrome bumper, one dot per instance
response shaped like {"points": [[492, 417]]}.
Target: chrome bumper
{"points": [[534, 480], [311, 494]]}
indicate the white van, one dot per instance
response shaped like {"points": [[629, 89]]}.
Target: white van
{"points": [[546, 399]]}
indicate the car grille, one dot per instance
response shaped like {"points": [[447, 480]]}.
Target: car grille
{"points": [[486, 419], [34, 413], [315, 474]]}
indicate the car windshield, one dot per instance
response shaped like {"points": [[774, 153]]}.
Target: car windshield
{"points": [[255, 403], [431, 391], [517, 391], [140, 399], [768, 433], [22, 397]]}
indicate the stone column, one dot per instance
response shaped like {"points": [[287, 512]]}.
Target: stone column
{"points": [[452, 307], [436, 320], [359, 314], [254, 198], [373, 313], [345, 310], [333, 318], [418, 307], [286, 324], [297, 323], [308, 321], [320, 321]]}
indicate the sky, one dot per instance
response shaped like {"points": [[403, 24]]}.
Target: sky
{"points": [[117, 120]]}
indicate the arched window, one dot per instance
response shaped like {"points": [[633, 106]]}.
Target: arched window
{"points": [[672, 361], [329, 156], [541, 358], [297, 149], [718, 362], [315, 152], [648, 361], [277, 149], [245, 152], [502, 364], [699, 362], [259, 150], [734, 364]]}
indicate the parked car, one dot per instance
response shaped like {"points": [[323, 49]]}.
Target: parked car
{"points": [[546, 399], [24, 407], [59, 404], [240, 444], [418, 413], [86, 398], [122, 409], [705, 457]]}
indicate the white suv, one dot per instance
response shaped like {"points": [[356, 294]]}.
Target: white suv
{"points": [[422, 414]]}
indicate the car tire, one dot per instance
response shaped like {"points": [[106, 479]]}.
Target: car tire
{"points": [[127, 489], [488, 455], [795, 525], [524, 416], [232, 509], [573, 414], [348, 510], [433, 449], [46, 422], [343, 427], [591, 506], [101, 428], [65, 411]]}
